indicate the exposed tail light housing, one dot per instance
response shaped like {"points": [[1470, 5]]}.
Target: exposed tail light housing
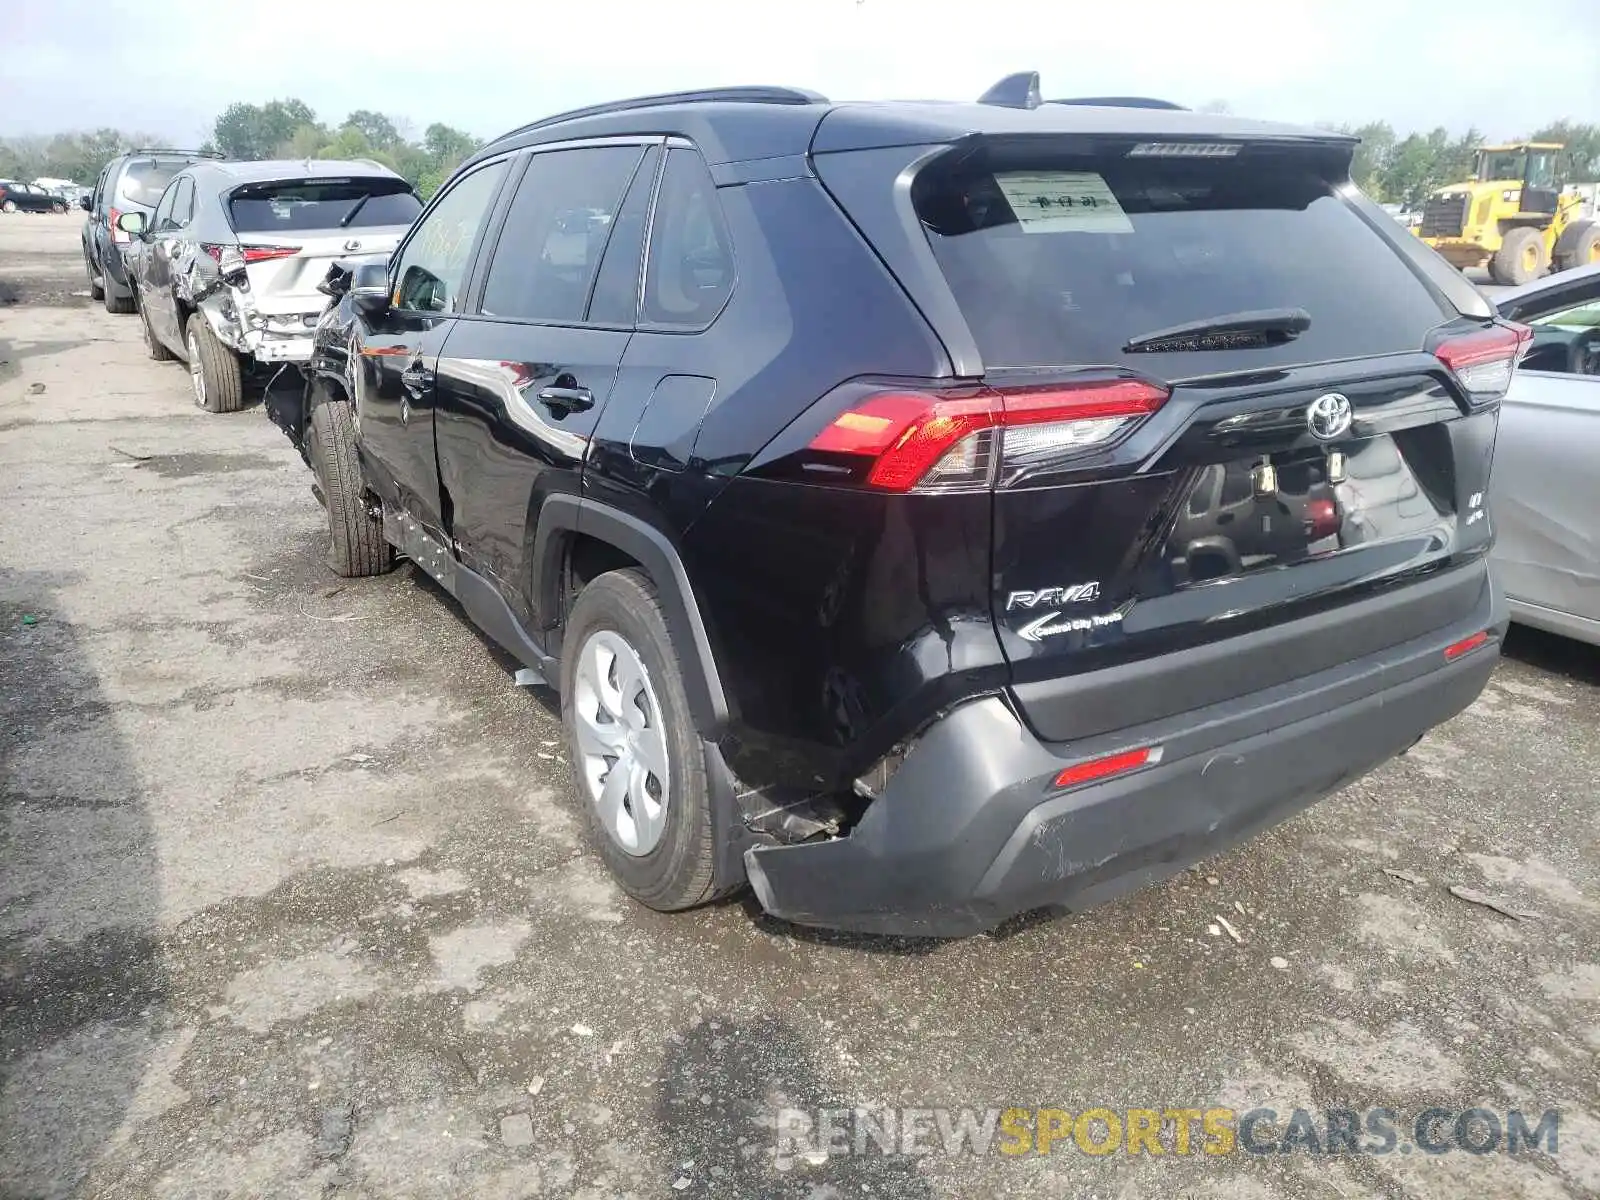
{"points": [[119, 236], [1485, 361], [977, 437]]}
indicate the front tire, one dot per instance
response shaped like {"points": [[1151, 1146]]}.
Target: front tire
{"points": [[1582, 249], [356, 545], [215, 372], [1520, 259], [154, 346], [637, 761], [9, 206]]}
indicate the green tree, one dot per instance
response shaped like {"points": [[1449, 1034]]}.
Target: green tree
{"points": [[1371, 156], [251, 131], [447, 146], [378, 129]]}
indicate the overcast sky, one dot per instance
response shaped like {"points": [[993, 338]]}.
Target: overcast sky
{"points": [[168, 66]]}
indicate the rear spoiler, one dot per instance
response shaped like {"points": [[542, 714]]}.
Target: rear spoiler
{"points": [[1022, 91]]}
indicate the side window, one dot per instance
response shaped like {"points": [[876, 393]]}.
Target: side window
{"points": [[100, 188], [690, 271], [616, 286], [163, 215], [555, 233], [433, 266], [183, 204]]}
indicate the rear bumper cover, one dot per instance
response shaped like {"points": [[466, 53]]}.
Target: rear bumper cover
{"points": [[970, 833]]}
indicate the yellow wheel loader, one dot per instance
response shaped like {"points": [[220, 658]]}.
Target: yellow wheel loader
{"points": [[1517, 216]]}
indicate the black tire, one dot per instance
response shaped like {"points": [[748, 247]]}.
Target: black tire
{"points": [[9, 206], [115, 301], [220, 368], [1579, 246], [96, 291], [677, 873], [153, 346], [356, 545], [1521, 257], [58, 209]]}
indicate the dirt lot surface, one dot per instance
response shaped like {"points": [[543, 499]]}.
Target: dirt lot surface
{"points": [[294, 902]]}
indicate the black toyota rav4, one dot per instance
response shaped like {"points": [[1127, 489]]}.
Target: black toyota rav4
{"points": [[928, 512]]}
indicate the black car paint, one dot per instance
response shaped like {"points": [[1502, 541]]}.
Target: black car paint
{"points": [[824, 628], [102, 254], [28, 198]]}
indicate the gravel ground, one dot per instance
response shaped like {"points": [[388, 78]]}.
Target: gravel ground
{"points": [[293, 900]]}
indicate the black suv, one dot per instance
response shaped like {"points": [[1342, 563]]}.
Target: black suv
{"points": [[131, 182], [928, 512]]}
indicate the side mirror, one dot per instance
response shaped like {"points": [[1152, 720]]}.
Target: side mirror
{"points": [[369, 288], [132, 223], [86, 203]]}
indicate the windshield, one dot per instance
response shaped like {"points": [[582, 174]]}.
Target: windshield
{"points": [[1499, 164], [1541, 169], [294, 206], [1065, 259]]}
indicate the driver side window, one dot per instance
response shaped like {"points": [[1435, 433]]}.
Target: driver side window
{"points": [[433, 266], [162, 220]]}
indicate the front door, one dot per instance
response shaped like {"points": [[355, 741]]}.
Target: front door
{"points": [[395, 356], [169, 249], [524, 379]]}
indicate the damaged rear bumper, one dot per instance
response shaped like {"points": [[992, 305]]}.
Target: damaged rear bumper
{"points": [[265, 337], [971, 830]]}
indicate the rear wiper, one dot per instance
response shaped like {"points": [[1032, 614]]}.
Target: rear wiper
{"points": [[354, 209], [1271, 326]]}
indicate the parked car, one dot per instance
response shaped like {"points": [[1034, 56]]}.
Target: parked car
{"points": [[129, 183], [226, 270], [844, 468], [1546, 487], [24, 197]]}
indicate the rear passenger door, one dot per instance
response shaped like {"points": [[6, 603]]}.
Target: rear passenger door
{"points": [[524, 378], [394, 356]]}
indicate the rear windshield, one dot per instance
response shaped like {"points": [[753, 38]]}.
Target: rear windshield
{"points": [[1063, 259], [296, 205], [143, 180]]}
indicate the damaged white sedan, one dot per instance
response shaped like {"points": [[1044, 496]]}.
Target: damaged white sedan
{"points": [[225, 270]]}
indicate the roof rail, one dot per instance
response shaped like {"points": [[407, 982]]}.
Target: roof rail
{"points": [[759, 94], [1014, 91], [1121, 102], [175, 150]]}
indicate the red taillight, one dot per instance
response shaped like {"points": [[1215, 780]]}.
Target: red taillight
{"points": [[255, 254], [1112, 764], [1465, 646], [117, 235], [1484, 362], [213, 250], [976, 437]]}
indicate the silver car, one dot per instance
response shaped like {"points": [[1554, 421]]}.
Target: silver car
{"points": [[225, 270], [1546, 482]]}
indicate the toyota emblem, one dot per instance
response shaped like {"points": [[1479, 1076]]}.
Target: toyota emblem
{"points": [[1329, 417]]}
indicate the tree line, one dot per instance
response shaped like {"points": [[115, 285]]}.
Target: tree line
{"points": [[1404, 170], [276, 129], [1388, 167]]}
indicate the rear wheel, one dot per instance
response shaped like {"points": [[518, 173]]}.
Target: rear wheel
{"points": [[356, 545], [115, 301], [214, 370], [96, 291], [637, 761], [1521, 257], [9, 206], [58, 209], [1582, 247], [153, 345]]}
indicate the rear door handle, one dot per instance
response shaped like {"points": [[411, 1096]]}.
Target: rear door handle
{"points": [[567, 399]]}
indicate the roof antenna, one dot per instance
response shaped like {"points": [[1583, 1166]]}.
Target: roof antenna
{"points": [[1014, 91]]}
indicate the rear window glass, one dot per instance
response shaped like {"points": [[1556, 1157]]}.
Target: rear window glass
{"points": [[335, 204], [143, 180], [1063, 259]]}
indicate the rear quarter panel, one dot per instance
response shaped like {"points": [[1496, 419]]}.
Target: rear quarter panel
{"points": [[1545, 493]]}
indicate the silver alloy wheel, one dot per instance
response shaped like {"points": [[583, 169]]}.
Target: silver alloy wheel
{"points": [[622, 745], [196, 375]]}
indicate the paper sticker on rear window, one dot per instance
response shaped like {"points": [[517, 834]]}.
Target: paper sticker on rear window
{"points": [[1063, 202]]}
